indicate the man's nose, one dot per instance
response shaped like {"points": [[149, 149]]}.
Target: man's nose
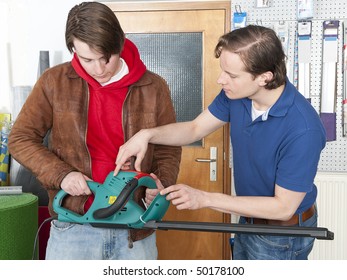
{"points": [[98, 67], [221, 79]]}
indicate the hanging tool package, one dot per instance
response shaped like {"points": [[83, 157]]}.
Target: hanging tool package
{"points": [[114, 207]]}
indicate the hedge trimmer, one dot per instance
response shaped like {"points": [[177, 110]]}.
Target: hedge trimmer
{"points": [[114, 207]]}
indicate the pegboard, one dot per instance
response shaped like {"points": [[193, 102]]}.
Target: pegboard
{"points": [[334, 156]]}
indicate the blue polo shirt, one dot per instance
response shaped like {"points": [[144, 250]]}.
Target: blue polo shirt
{"points": [[281, 148]]}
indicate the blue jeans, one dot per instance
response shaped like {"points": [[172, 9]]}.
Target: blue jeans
{"points": [[69, 241], [267, 247]]}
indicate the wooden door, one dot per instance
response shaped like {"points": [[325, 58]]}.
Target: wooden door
{"points": [[211, 19]]}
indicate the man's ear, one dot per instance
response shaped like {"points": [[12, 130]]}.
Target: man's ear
{"points": [[265, 78]]}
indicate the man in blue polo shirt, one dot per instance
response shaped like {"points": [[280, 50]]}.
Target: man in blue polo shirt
{"points": [[277, 138]]}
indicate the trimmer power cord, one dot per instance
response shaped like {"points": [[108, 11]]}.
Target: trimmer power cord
{"points": [[34, 256]]}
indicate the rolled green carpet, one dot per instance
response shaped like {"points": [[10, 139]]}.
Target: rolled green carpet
{"points": [[18, 226]]}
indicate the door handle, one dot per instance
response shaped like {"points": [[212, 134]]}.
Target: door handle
{"points": [[213, 163], [205, 160]]}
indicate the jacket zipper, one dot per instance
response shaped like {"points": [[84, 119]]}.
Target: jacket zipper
{"points": [[124, 131], [86, 129]]}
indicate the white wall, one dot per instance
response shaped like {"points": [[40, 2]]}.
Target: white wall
{"points": [[26, 27]]}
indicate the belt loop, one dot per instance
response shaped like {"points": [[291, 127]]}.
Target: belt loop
{"points": [[300, 219]]}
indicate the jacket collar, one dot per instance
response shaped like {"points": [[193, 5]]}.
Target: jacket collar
{"points": [[71, 73]]}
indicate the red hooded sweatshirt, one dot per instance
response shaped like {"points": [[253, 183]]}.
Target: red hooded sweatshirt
{"points": [[105, 133]]}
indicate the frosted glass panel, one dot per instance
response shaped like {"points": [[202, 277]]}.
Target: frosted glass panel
{"points": [[177, 57]]}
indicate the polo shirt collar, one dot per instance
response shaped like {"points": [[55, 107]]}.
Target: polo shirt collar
{"points": [[284, 102], [281, 107]]}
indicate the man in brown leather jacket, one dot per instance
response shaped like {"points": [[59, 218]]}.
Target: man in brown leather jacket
{"points": [[91, 106]]}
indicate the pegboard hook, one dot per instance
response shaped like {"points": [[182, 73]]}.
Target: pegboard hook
{"points": [[238, 9], [259, 22]]}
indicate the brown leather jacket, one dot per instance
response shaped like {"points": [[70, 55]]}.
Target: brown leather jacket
{"points": [[59, 103]]}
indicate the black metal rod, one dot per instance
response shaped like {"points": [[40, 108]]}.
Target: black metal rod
{"points": [[315, 232]]}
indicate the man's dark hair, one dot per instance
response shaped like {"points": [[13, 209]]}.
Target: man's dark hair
{"points": [[96, 25]]}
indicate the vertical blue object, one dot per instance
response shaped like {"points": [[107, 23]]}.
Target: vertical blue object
{"points": [[4, 157], [231, 242], [240, 20]]}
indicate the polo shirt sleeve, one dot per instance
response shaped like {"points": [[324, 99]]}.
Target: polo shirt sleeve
{"points": [[298, 161], [220, 107]]}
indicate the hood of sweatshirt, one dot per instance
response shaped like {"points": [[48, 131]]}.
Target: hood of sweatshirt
{"points": [[132, 58]]}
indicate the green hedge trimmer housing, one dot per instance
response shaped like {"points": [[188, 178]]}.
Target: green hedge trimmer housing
{"points": [[114, 204]]}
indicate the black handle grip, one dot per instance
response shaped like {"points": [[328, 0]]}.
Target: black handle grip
{"points": [[120, 202]]}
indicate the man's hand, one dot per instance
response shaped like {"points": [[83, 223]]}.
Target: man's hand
{"points": [[75, 184], [152, 193], [135, 146], [184, 197]]}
